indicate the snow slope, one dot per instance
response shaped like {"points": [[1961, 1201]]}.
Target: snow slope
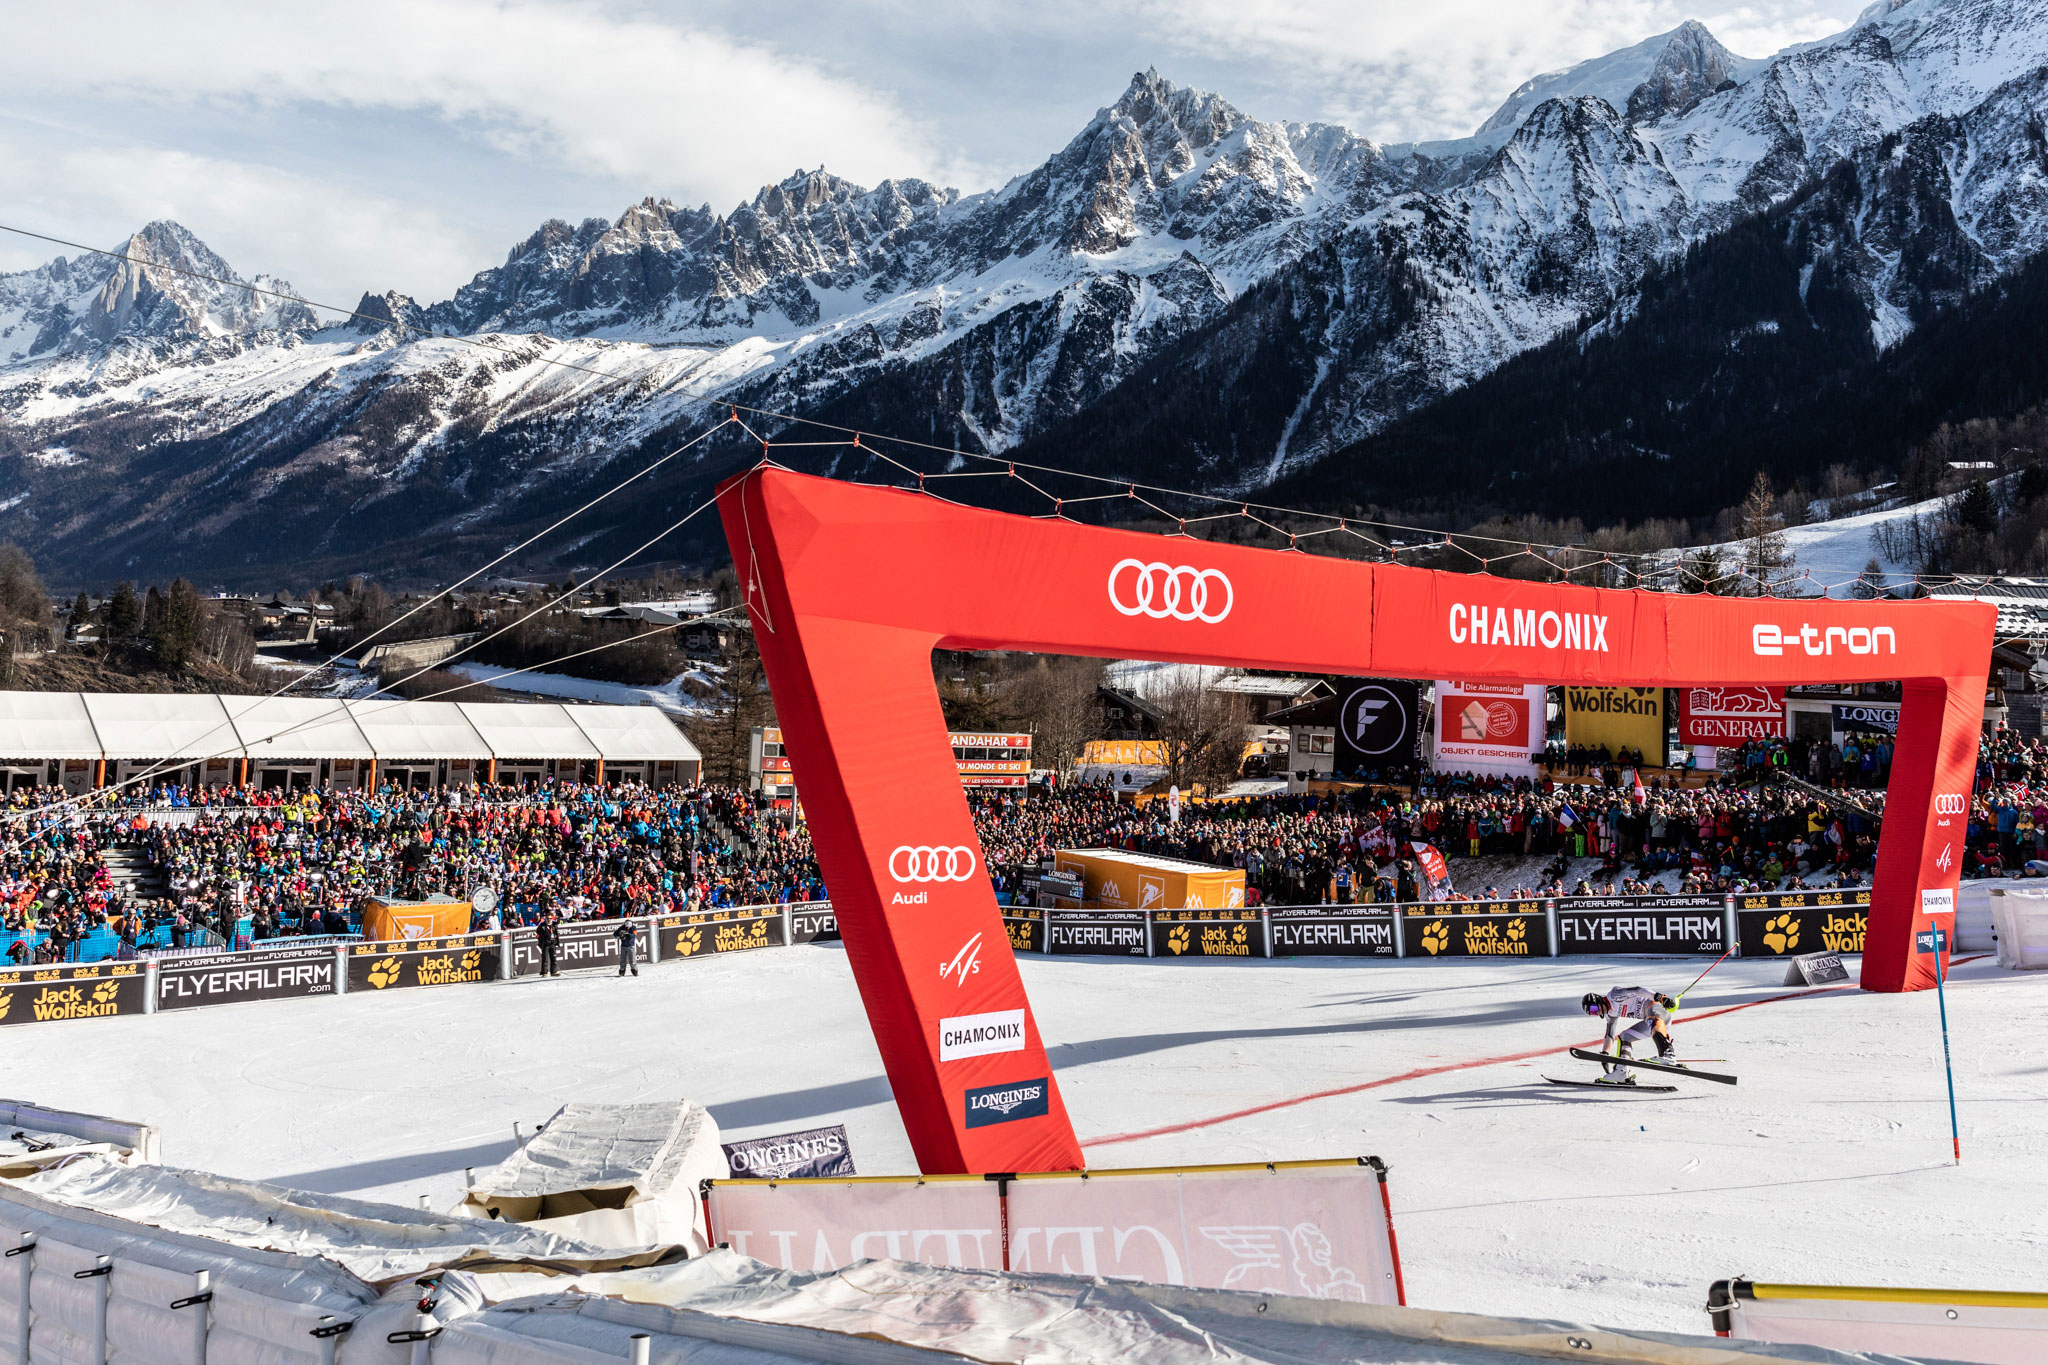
{"points": [[1829, 1161]]}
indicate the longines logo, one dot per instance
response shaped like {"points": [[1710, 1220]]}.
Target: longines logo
{"points": [[993, 1104]]}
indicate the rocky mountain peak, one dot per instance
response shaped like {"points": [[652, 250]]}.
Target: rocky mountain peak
{"points": [[1691, 66]]}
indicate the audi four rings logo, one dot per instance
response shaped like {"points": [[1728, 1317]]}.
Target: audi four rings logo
{"points": [[1170, 590], [1948, 803], [926, 864]]}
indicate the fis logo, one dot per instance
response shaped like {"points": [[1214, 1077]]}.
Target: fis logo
{"points": [[965, 963], [1772, 641], [1947, 858]]}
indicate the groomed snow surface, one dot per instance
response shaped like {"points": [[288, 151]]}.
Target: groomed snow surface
{"points": [[1830, 1162]]}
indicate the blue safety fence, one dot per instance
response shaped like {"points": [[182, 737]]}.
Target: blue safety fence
{"points": [[102, 943]]}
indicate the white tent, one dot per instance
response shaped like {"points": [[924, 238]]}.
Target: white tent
{"points": [[519, 730], [180, 725], [417, 729], [297, 728], [633, 734], [46, 725]]}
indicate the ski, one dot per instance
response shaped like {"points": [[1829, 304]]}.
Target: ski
{"points": [[1658, 1067], [1617, 1089]]}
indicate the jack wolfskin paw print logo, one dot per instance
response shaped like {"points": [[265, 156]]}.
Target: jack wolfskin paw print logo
{"points": [[1515, 931], [1237, 935], [760, 929], [1781, 935], [1436, 938], [384, 973], [1177, 939], [688, 942], [103, 993], [6, 1003], [471, 961]]}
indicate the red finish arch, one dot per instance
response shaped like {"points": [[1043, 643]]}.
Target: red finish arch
{"points": [[852, 587]]}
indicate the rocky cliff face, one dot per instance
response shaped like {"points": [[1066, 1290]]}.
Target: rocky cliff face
{"points": [[1296, 285]]}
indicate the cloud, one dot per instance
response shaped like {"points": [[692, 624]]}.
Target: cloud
{"points": [[698, 113], [260, 219]]}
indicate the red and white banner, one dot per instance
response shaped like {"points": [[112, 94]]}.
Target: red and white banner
{"points": [[1317, 1229], [1492, 728], [1994, 1327], [1723, 717]]}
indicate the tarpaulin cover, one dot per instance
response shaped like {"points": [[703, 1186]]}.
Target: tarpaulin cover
{"points": [[160, 725], [990, 1316], [387, 920], [378, 1242], [633, 734], [297, 728], [419, 730], [520, 730], [607, 1172], [46, 725]]}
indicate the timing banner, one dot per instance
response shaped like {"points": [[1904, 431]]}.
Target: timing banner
{"points": [[230, 978], [1332, 931], [1026, 928], [703, 932], [90, 990], [811, 921], [1207, 933], [452, 961], [1481, 931], [1787, 923], [1102, 933], [1642, 924]]}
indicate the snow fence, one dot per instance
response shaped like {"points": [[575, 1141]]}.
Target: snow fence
{"points": [[1990, 1327]]}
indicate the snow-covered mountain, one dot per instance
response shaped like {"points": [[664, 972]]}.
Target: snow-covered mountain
{"points": [[1325, 284]]}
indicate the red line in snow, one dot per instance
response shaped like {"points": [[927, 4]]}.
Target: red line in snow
{"points": [[1421, 1072]]}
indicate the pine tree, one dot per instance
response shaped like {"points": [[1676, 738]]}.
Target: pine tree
{"points": [[1765, 559], [81, 613], [177, 624], [124, 613]]}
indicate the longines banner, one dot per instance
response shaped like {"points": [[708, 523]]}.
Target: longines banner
{"points": [[454, 961], [1377, 724], [810, 921], [1332, 931], [1470, 935], [1642, 924], [94, 990], [704, 932], [1207, 933], [579, 944], [1026, 928], [230, 978], [1102, 933]]}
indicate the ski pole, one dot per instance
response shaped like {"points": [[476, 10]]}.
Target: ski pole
{"points": [[1710, 967]]}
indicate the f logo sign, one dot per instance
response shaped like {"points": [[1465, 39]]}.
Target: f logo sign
{"points": [[1367, 711], [1375, 721]]}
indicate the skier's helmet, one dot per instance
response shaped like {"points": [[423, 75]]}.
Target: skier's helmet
{"points": [[1593, 1003]]}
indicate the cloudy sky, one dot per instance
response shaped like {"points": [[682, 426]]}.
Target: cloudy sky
{"points": [[406, 144]]}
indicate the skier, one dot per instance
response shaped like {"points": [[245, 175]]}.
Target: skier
{"points": [[1652, 1013]]}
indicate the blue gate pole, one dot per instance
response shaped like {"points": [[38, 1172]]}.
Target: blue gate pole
{"points": [[1941, 997]]}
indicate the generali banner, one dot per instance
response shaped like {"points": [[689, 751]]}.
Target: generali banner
{"points": [[1489, 727], [1724, 717], [1310, 1229]]}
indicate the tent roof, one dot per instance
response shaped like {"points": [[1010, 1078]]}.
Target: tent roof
{"points": [[633, 734], [46, 725], [297, 727], [417, 729], [528, 730], [183, 725]]}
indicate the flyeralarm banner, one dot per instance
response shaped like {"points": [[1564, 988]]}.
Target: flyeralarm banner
{"points": [[231, 978], [1642, 924], [1494, 728], [837, 572], [1099, 933], [1332, 931]]}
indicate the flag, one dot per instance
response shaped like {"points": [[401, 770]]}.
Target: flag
{"points": [[1432, 862], [1566, 816]]}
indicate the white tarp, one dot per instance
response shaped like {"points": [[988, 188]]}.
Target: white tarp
{"points": [[885, 1311], [46, 725], [181, 725], [616, 1175], [527, 729], [2021, 920], [296, 728], [378, 1242], [633, 734], [417, 729]]}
